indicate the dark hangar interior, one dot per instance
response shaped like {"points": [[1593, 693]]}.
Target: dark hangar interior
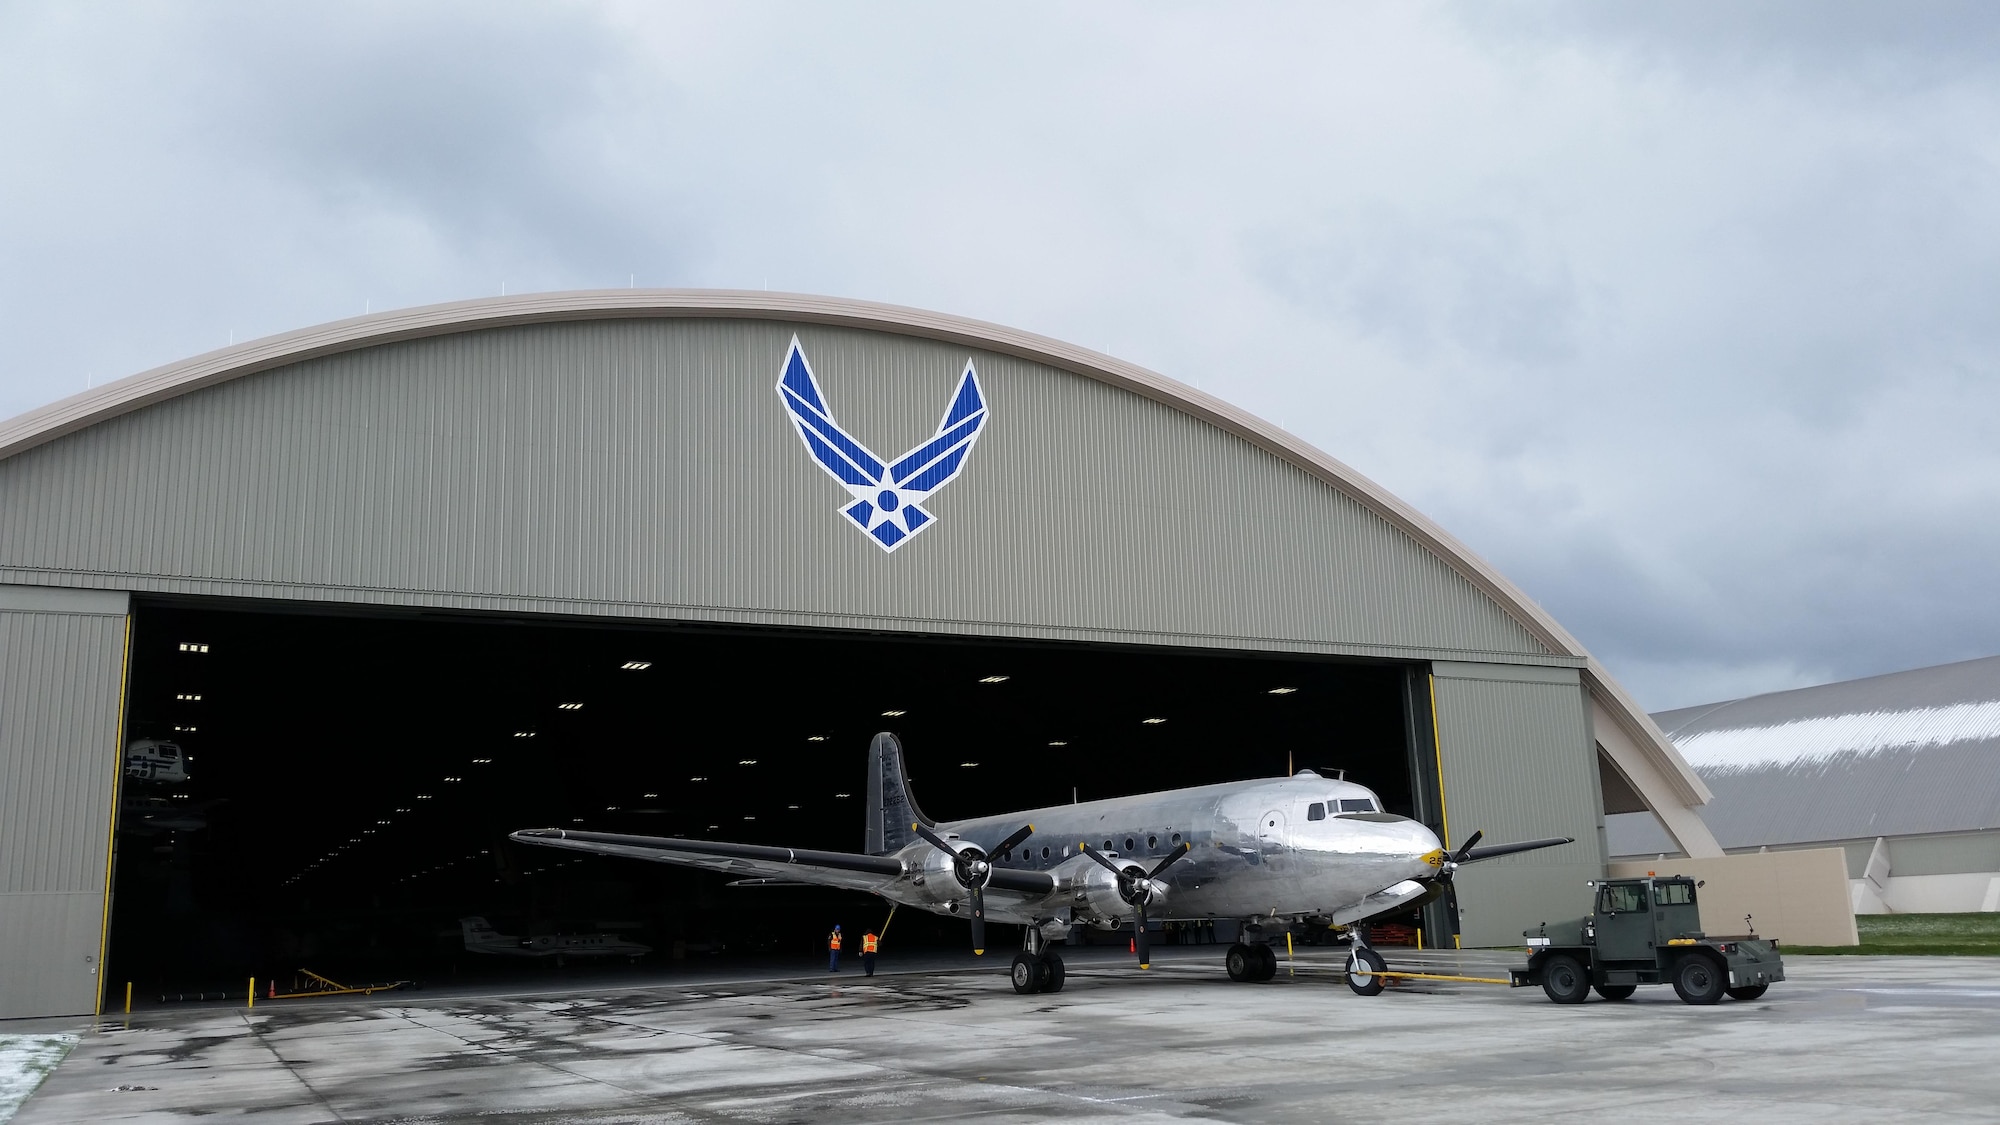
{"points": [[352, 777]]}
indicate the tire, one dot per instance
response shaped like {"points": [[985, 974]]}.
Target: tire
{"points": [[1267, 960], [1748, 992], [1026, 973], [1364, 969], [1565, 979], [1242, 963], [1052, 972], [1616, 991], [1699, 980]]}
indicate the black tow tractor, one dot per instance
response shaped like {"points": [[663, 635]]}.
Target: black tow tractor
{"points": [[1647, 931]]}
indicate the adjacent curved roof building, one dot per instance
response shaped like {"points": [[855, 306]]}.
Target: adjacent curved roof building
{"points": [[1910, 759], [724, 472]]}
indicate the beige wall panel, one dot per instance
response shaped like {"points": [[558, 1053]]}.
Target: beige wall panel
{"points": [[1799, 897]]}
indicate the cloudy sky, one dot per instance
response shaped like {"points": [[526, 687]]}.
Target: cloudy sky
{"points": [[1687, 317]]}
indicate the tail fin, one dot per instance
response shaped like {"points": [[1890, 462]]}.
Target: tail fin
{"points": [[477, 931], [891, 809]]}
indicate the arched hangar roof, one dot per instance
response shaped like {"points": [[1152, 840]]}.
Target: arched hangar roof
{"points": [[1630, 738]]}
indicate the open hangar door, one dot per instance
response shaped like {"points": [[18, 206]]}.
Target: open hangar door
{"points": [[346, 780]]}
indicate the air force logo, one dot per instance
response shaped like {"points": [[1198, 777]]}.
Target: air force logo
{"points": [[887, 495]]}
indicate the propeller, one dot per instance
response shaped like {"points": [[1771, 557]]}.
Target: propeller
{"points": [[972, 866], [1135, 886]]}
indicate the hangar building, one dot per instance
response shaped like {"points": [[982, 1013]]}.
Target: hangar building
{"points": [[292, 634], [1901, 772]]}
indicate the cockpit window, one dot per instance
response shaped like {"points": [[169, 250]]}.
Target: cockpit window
{"points": [[1316, 811], [1621, 898], [1357, 804]]}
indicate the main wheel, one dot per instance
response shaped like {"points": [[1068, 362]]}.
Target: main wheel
{"points": [[1026, 973], [1565, 979], [1616, 991], [1052, 971], [1748, 992], [1267, 961], [1364, 971], [1698, 980], [1242, 962]]}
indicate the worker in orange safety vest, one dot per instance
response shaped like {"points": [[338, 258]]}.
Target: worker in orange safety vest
{"points": [[833, 950], [868, 943]]}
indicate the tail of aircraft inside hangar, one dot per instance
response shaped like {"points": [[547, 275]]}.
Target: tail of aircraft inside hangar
{"points": [[350, 778]]}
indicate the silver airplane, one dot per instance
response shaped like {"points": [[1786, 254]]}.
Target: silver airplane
{"points": [[1271, 853]]}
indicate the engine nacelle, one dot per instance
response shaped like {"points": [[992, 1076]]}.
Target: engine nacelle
{"points": [[1096, 892], [937, 876]]}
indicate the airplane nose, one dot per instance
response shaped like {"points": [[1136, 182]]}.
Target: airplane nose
{"points": [[1430, 850]]}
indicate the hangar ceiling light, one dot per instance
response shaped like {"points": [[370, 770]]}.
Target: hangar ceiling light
{"points": [[994, 679], [650, 795], [840, 796], [968, 765], [192, 646], [636, 665], [524, 734], [482, 761], [1058, 744], [1153, 722], [569, 706], [746, 762], [189, 697], [894, 714], [815, 738], [697, 779], [1281, 691]]}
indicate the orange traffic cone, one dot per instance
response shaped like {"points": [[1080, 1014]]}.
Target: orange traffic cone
{"points": [[1131, 945]]}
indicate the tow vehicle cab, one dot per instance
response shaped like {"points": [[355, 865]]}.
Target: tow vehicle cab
{"points": [[1646, 931]]}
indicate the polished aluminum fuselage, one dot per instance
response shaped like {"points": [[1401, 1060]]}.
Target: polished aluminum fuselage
{"points": [[1254, 853]]}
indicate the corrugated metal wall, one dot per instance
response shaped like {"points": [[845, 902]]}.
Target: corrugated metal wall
{"points": [[1518, 761], [646, 468], [62, 667]]}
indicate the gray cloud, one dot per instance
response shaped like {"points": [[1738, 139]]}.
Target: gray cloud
{"points": [[1681, 314]]}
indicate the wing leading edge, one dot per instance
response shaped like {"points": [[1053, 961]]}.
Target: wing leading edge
{"points": [[874, 873]]}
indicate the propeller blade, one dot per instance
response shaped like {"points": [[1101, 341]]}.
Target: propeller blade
{"points": [[1184, 849], [1465, 849], [1099, 857], [1014, 841], [1474, 855], [1139, 940], [978, 898], [936, 840]]}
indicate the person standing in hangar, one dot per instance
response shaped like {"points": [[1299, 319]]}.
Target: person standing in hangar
{"points": [[868, 943], [833, 950]]}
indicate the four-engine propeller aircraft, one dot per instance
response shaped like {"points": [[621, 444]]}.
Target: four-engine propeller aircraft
{"points": [[1269, 853]]}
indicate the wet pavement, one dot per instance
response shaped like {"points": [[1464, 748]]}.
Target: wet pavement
{"points": [[1846, 1039]]}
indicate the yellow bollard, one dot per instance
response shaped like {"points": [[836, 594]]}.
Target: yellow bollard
{"points": [[253, 993], [1289, 971], [128, 997]]}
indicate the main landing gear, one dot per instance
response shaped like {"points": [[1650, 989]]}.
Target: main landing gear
{"points": [[1248, 962], [1038, 968]]}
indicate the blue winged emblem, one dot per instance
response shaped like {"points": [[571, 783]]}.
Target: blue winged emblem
{"points": [[887, 496]]}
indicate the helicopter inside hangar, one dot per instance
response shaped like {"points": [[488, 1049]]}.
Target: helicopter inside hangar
{"points": [[346, 782]]}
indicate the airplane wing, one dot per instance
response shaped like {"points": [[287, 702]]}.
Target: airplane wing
{"points": [[831, 869]]}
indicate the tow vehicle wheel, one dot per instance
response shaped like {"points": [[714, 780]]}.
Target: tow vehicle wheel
{"points": [[1364, 971], [1748, 992], [1565, 979], [1697, 980], [1052, 971], [1616, 991], [1241, 960], [1026, 974]]}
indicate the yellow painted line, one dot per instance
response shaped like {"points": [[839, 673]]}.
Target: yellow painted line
{"points": [[111, 833]]}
